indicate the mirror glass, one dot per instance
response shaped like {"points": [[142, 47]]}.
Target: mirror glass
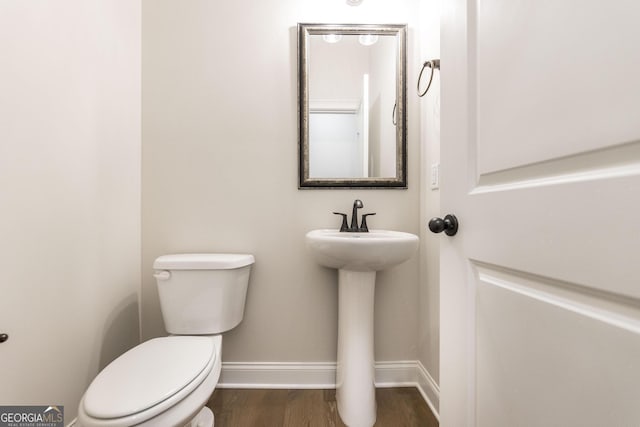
{"points": [[352, 107]]}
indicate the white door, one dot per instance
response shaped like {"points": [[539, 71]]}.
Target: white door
{"points": [[540, 288]]}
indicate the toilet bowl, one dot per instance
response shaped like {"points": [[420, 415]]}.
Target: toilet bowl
{"points": [[167, 381]]}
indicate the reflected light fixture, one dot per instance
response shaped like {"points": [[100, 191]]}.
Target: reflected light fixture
{"points": [[332, 38], [354, 2], [368, 39]]}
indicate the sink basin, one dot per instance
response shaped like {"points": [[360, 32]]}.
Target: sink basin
{"points": [[372, 251]]}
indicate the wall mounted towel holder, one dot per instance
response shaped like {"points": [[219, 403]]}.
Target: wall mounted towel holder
{"points": [[434, 64]]}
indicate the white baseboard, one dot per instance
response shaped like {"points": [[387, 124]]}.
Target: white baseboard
{"points": [[277, 375], [409, 373], [429, 389], [395, 374]]}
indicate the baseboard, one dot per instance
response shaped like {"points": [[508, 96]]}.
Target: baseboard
{"points": [[429, 389], [396, 374], [409, 373], [277, 375]]}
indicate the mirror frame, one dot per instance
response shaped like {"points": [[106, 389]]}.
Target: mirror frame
{"points": [[400, 180]]}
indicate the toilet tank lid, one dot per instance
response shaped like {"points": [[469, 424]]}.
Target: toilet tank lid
{"points": [[202, 261]]}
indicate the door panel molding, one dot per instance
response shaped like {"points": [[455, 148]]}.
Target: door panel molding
{"points": [[612, 162], [546, 362], [548, 79], [613, 309]]}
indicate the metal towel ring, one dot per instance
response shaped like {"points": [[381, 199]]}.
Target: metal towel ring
{"points": [[434, 64]]}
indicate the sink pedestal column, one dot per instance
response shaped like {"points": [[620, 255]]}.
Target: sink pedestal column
{"points": [[355, 388]]}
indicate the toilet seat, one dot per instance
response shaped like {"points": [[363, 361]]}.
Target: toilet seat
{"points": [[150, 379]]}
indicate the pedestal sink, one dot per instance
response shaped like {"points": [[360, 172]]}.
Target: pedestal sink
{"points": [[358, 256]]}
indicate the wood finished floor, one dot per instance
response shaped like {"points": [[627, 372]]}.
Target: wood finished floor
{"points": [[397, 407]]}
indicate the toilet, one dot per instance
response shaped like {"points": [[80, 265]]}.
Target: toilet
{"points": [[167, 381]]}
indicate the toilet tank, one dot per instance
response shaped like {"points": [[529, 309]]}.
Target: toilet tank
{"points": [[202, 293]]}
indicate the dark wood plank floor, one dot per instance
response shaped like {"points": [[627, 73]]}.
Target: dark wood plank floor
{"points": [[397, 407]]}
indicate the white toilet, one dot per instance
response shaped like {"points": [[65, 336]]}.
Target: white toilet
{"points": [[167, 381]]}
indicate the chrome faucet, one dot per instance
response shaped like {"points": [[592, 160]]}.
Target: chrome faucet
{"points": [[357, 204]]}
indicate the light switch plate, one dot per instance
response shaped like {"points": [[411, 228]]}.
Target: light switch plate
{"points": [[435, 176]]}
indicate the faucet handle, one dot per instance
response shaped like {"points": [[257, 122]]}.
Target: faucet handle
{"points": [[363, 226], [344, 226]]}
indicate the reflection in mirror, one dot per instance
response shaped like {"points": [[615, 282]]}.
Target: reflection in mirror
{"points": [[352, 106]]}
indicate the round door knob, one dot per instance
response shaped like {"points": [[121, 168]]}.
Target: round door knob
{"points": [[3, 337], [449, 225]]}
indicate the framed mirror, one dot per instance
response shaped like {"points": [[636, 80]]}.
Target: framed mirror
{"points": [[352, 106]]}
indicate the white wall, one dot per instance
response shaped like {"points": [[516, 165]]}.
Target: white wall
{"points": [[429, 315], [69, 194], [220, 172]]}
